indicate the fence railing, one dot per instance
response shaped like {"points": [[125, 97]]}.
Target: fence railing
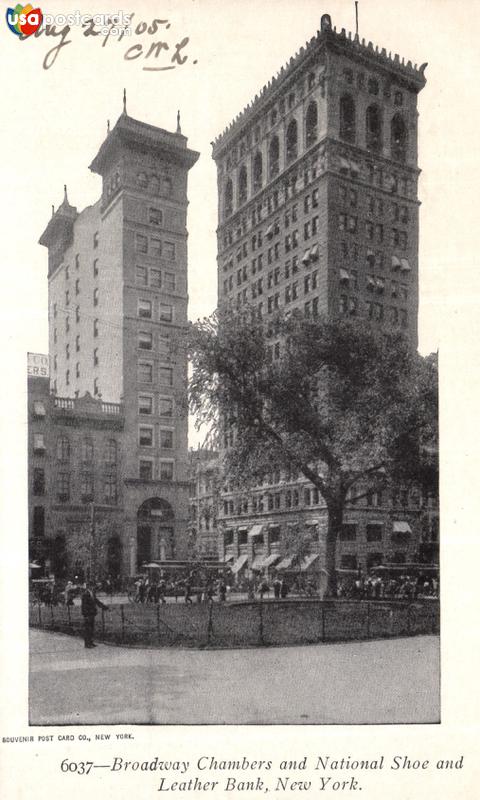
{"points": [[245, 624]]}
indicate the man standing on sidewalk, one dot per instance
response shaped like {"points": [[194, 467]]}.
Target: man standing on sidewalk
{"points": [[89, 612]]}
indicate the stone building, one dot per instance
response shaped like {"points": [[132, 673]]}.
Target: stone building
{"points": [[75, 487], [204, 501], [118, 293], [318, 211]]}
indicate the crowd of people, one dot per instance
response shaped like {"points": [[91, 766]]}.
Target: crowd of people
{"points": [[377, 587]]}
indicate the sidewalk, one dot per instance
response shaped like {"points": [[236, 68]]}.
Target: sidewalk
{"points": [[385, 681]]}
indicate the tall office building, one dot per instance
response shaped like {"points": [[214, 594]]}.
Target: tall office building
{"points": [[118, 292], [318, 210]]}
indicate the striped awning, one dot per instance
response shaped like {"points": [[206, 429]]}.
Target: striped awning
{"points": [[255, 530], [314, 252], [405, 266], [239, 563], [306, 257], [344, 275], [308, 561], [401, 526], [286, 563], [396, 263]]}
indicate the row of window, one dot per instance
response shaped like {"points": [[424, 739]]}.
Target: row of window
{"points": [[146, 373], [146, 470], [374, 283], [285, 104], [156, 278], [372, 85], [374, 310], [374, 128], [146, 437], [86, 488], [153, 246], [156, 184], [374, 232], [145, 310], [146, 406]]}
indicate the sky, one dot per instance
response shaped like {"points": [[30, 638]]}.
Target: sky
{"points": [[55, 119]]}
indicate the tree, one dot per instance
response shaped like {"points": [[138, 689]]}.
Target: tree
{"points": [[351, 408]]}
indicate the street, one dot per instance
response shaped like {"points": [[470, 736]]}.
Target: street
{"points": [[383, 681]]}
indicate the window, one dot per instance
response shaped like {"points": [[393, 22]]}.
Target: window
{"points": [[95, 327], [374, 532], [398, 99], [228, 198], [63, 487], [39, 409], [348, 532], [242, 184], [169, 282], [292, 141], [95, 297], [257, 172], [141, 243], [110, 489], [347, 118], [165, 375], [67, 298], [145, 470], [373, 86], [373, 121], [141, 276], [155, 216], [166, 313], [166, 439], [87, 450], [165, 407], [86, 487], [155, 278], [77, 314], [67, 377], [145, 437], [95, 239], [311, 123], [398, 141], [155, 247], [166, 470], [348, 561], [77, 370], [145, 404], [110, 455], [169, 250], [63, 448], [145, 340], [145, 309], [274, 157], [145, 372], [38, 481]]}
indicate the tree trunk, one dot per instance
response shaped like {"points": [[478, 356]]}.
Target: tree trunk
{"points": [[335, 519]]}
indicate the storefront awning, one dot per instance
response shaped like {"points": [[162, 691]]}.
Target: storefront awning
{"points": [[255, 530], [269, 560], [308, 561], [401, 527], [239, 564], [229, 557], [310, 523], [286, 563]]}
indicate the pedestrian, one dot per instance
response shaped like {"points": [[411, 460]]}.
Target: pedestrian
{"points": [[277, 585], [283, 589], [264, 588], [187, 593], [89, 612], [222, 591], [162, 590]]}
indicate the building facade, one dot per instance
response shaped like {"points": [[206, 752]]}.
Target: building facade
{"points": [[118, 293], [318, 211], [76, 493], [204, 501]]}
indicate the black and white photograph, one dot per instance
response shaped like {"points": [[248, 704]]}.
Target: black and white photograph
{"points": [[235, 295]]}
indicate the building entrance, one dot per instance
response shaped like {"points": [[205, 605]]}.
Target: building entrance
{"points": [[155, 525]]}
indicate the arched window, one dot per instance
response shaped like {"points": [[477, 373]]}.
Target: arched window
{"points": [[87, 450], [63, 448], [242, 184], [167, 187], [110, 452], [154, 186], [373, 121], [398, 141], [228, 198], [274, 157], [347, 118], [292, 140], [257, 172], [311, 124]]}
